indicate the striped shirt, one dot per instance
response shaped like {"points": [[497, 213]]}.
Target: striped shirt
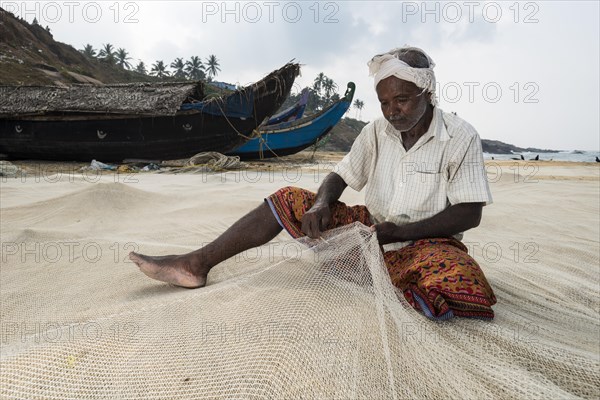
{"points": [[445, 167]]}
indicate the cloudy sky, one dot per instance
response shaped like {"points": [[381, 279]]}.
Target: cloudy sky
{"points": [[525, 73]]}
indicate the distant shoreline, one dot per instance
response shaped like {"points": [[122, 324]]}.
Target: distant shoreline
{"points": [[579, 157]]}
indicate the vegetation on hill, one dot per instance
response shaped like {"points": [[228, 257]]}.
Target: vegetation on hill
{"points": [[192, 69], [29, 55]]}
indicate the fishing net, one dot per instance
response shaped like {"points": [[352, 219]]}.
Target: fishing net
{"points": [[307, 319], [315, 319]]}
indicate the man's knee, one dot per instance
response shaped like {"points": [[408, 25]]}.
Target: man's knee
{"points": [[294, 194]]}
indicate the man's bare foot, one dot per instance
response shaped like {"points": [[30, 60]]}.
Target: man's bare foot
{"points": [[185, 270]]}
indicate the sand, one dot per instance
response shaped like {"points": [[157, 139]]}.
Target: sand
{"points": [[65, 237]]}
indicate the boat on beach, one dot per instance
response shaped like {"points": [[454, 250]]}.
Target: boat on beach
{"points": [[290, 137], [154, 121], [292, 113]]}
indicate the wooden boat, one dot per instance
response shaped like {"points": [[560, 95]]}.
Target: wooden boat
{"points": [[293, 136], [157, 121], [292, 113]]}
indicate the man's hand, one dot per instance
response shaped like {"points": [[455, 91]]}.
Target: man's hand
{"points": [[387, 232], [316, 220]]}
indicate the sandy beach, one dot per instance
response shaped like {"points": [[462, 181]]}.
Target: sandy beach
{"points": [[65, 237]]}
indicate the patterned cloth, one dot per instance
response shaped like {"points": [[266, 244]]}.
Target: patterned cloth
{"points": [[437, 276]]}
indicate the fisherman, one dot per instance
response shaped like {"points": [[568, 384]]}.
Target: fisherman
{"points": [[425, 184]]}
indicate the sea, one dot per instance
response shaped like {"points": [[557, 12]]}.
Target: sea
{"points": [[573, 156]]}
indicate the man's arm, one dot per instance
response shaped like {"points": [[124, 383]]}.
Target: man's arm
{"points": [[318, 217], [454, 219]]}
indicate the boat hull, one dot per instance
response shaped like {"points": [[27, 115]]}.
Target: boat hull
{"points": [[156, 138]]}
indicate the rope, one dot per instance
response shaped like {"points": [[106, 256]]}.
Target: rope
{"points": [[230, 124]]}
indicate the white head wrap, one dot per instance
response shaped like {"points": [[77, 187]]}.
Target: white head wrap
{"points": [[385, 65]]}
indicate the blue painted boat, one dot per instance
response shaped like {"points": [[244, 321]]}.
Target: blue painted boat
{"points": [[292, 113], [293, 136]]}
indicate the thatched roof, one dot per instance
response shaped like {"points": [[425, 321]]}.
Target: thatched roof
{"points": [[133, 98]]}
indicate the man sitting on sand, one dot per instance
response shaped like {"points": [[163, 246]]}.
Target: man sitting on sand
{"points": [[425, 184]]}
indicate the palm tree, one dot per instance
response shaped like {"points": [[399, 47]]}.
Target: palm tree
{"points": [[178, 66], [194, 68], [159, 69], [329, 86], [318, 82], [122, 56], [213, 66], [358, 104], [141, 68], [88, 51], [107, 53], [314, 100]]}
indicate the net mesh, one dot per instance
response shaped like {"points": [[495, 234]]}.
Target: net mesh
{"points": [[315, 319]]}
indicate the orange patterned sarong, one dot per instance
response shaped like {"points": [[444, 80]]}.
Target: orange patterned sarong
{"points": [[437, 276]]}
